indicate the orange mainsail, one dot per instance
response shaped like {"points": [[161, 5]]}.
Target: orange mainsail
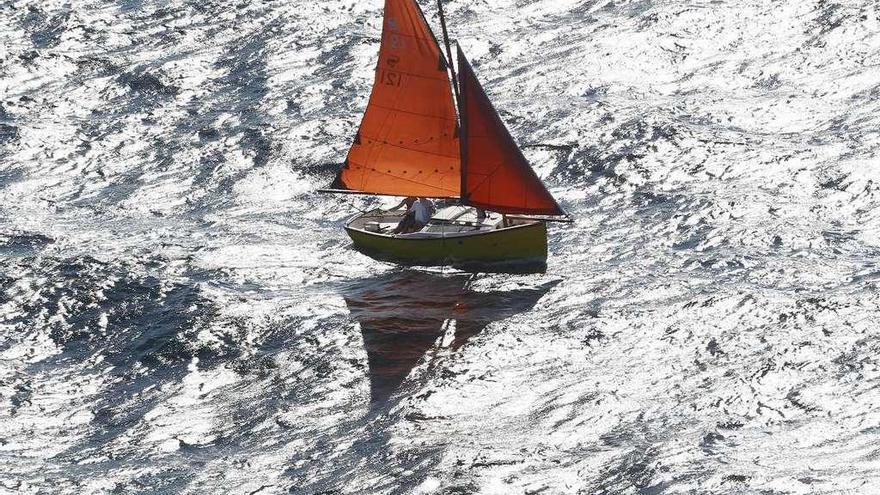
{"points": [[407, 144], [495, 174]]}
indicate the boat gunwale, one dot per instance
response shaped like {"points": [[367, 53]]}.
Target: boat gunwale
{"points": [[456, 235]]}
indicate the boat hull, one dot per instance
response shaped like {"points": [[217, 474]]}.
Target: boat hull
{"points": [[519, 249]]}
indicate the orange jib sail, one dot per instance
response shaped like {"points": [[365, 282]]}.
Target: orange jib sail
{"points": [[407, 144], [495, 174]]}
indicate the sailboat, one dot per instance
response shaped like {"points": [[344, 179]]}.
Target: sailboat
{"points": [[430, 131]]}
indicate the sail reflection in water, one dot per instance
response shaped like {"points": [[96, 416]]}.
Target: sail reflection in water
{"points": [[405, 315]]}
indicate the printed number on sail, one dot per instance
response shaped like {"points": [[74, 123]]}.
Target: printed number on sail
{"points": [[391, 78]]}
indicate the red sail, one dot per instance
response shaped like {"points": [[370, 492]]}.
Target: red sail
{"points": [[407, 144], [495, 174]]}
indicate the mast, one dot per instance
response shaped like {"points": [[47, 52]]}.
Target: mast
{"points": [[458, 103], [448, 52]]}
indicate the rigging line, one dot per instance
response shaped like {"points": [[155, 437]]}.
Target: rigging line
{"points": [[430, 31], [447, 59], [355, 192], [392, 109], [441, 188], [380, 142], [486, 177], [411, 74], [470, 281], [405, 35]]}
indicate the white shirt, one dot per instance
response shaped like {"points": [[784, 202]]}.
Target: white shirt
{"points": [[423, 210]]}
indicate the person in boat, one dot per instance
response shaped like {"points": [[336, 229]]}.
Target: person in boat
{"points": [[418, 213], [407, 203]]}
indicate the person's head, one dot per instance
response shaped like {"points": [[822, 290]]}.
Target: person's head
{"points": [[410, 200]]}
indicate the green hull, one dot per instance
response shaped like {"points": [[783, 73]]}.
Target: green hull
{"points": [[521, 248]]}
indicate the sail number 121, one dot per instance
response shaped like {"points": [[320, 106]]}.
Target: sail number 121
{"points": [[390, 78]]}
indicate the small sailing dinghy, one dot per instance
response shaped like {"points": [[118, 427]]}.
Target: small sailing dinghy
{"points": [[418, 140]]}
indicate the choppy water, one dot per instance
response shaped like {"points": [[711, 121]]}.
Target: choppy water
{"points": [[180, 313]]}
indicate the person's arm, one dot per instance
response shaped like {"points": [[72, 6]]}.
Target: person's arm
{"points": [[399, 206]]}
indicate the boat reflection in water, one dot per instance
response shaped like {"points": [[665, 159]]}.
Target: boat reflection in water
{"points": [[404, 315]]}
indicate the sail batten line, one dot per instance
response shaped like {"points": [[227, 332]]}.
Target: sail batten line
{"points": [[379, 142], [411, 113], [407, 179], [409, 36], [364, 193], [411, 74]]}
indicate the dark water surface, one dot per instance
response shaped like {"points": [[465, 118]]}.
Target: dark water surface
{"points": [[181, 313]]}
